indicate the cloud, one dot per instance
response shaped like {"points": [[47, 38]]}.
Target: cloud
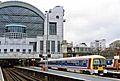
{"points": [[96, 20]]}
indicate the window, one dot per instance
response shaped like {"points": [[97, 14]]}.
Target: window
{"points": [[53, 46], [53, 28], [58, 46], [57, 17], [29, 51], [34, 45], [5, 50], [11, 50], [17, 50], [24, 51], [48, 46], [41, 46], [0, 50], [96, 61], [81, 49], [83, 63]]}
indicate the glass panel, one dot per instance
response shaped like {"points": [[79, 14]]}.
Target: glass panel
{"points": [[23, 16], [58, 47], [48, 46], [29, 51], [53, 28], [17, 50], [11, 50], [52, 46], [103, 61], [99, 61], [41, 46], [5, 50], [96, 62], [24, 51]]}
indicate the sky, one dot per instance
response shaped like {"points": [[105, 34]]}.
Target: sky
{"points": [[86, 20]]}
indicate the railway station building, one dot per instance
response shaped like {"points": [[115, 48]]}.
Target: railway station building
{"points": [[26, 32]]}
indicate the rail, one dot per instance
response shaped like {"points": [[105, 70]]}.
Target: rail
{"points": [[11, 74]]}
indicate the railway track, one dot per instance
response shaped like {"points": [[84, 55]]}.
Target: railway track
{"points": [[10, 74]]}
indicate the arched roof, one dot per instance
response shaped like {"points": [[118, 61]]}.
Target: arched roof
{"points": [[17, 12], [22, 4]]}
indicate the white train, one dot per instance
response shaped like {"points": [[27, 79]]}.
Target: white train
{"points": [[92, 64]]}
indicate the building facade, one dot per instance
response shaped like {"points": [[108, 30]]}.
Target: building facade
{"points": [[69, 50], [82, 49], [98, 45], [26, 31]]}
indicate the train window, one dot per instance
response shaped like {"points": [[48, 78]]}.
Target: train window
{"points": [[109, 62], [56, 62], [77, 63], [74, 62], [69, 62], [96, 61], [119, 61], [64, 62], [80, 62], [61, 62], [84, 63], [52, 62], [102, 61]]}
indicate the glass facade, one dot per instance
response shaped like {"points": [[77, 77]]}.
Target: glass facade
{"points": [[20, 15], [16, 29]]}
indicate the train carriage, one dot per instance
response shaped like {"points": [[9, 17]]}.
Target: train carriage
{"points": [[93, 64], [113, 64]]}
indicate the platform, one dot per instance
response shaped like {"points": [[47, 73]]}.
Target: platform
{"points": [[114, 71], [1, 75], [72, 75]]}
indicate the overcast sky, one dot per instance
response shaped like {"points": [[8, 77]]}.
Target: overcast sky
{"points": [[86, 20]]}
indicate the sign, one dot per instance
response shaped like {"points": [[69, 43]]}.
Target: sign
{"points": [[116, 57]]}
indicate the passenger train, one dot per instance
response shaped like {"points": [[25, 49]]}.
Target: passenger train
{"points": [[113, 64], [92, 64]]}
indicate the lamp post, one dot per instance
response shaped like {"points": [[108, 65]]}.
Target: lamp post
{"points": [[46, 57]]}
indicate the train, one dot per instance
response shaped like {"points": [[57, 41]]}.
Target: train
{"points": [[113, 64], [91, 64]]}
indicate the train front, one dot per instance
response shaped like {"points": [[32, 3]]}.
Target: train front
{"points": [[99, 66]]}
